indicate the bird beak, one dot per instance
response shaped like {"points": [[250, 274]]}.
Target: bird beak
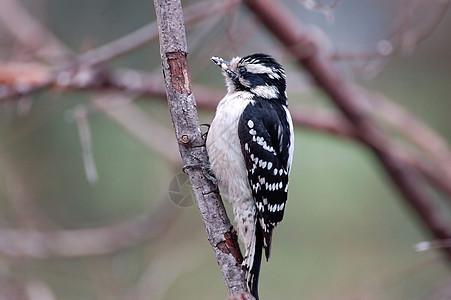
{"points": [[224, 65]]}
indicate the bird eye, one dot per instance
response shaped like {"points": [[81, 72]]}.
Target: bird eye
{"points": [[242, 70]]}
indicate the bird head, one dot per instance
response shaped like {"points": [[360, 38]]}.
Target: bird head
{"points": [[259, 74]]}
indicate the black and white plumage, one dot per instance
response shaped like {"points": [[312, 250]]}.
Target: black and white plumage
{"points": [[250, 145]]}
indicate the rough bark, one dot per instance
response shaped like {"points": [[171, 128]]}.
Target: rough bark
{"points": [[182, 106]]}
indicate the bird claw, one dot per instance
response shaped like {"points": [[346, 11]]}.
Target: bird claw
{"points": [[206, 170], [205, 134]]}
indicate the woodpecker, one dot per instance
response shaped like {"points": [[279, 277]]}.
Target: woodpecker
{"points": [[250, 145]]}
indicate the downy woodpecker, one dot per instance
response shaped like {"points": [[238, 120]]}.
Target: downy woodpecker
{"points": [[250, 146]]}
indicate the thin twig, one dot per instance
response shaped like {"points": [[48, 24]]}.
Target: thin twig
{"points": [[79, 115], [148, 33], [31, 33], [410, 127], [139, 125], [82, 77], [281, 23], [79, 69], [435, 166], [21, 201], [39, 290], [86, 242], [165, 269]]}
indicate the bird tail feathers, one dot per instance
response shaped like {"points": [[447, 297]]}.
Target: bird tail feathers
{"points": [[252, 262]]}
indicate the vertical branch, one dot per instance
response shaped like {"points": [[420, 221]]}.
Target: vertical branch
{"points": [[182, 106]]}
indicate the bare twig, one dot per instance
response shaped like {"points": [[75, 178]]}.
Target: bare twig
{"points": [[39, 290], [435, 166], [86, 242], [143, 35], [282, 25], [407, 34], [326, 9], [13, 288], [79, 115], [19, 197], [429, 245], [151, 133], [165, 269], [441, 291], [410, 127], [79, 69], [31, 33], [25, 78], [323, 120], [376, 288], [182, 106]]}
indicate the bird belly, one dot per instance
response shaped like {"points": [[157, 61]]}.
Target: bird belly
{"points": [[227, 162]]}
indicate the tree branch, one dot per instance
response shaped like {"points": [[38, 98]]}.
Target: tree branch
{"points": [[282, 25], [182, 106], [31, 33], [146, 34], [22, 79], [82, 67], [137, 123], [435, 166], [86, 242]]}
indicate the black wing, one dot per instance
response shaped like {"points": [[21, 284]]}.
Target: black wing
{"points": [[264, 134]]}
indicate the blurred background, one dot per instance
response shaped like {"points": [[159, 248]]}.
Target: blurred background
{"points": [[85, 170]]}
